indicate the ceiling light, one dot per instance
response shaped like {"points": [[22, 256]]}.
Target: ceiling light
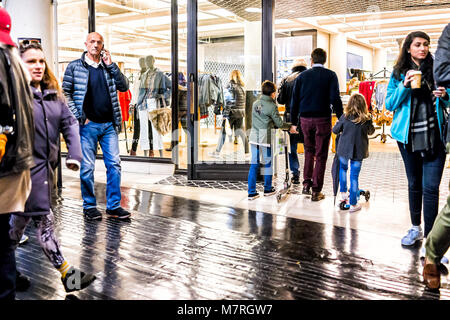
{"points": [[291, 11], [101, 14], [427, 1], [253, 10]]}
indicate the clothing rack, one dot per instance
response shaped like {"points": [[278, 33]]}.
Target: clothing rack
{"points": [[383, 135]]}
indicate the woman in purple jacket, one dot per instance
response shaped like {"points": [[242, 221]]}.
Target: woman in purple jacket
{"points": [[51, 117]]}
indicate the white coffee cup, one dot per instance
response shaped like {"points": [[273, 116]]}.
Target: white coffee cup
{"points": [[417, 79]]}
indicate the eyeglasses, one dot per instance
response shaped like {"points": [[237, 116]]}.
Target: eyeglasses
{"points": [[26, 44]]}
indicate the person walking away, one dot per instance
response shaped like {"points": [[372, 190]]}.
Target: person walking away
{"points": [[438, 240], [284, 97], [314, 91], [90, 85], [16, 149], [417, 126], [51, 117], [355, 126], [265, 118]]}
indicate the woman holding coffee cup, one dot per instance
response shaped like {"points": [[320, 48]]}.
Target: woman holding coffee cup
{"points": [[417, 126]]}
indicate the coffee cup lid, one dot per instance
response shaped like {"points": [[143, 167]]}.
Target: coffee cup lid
{"points": [[416, 72]]}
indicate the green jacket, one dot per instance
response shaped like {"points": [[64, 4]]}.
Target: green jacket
{"points": [[265, 118]]}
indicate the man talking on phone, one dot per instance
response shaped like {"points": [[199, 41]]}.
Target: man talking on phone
{"points": [[90, 85]]}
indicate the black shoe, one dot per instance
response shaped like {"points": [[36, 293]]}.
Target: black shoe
{"points": [[317, 196], [76, 280], [92, 214], [118, 213], [306, 190], [271, 192], [295, 180], [22, 282], [253, 196]]}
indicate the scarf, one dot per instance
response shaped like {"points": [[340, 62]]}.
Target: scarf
{"points": [[423, 128]]}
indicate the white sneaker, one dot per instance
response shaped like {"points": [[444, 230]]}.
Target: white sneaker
{"points": [[355, 207], [214, 154]]}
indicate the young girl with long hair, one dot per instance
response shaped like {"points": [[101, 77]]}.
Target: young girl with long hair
{"points": [[51, 117], [355, 125]]}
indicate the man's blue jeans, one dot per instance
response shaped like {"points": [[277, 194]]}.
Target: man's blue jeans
{"points": [[257, 153], [91, 134], [293, 156], [355, 169]]}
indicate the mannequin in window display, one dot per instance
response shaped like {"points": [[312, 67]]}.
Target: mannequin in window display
{"points": [[158, 88]]}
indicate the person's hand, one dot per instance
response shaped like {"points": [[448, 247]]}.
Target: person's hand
{"points": [[87, 121], [106, 57], [440, 92], [408, 78], [293, 130], [72, 166]]}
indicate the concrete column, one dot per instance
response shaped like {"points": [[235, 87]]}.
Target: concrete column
{"points": [[252, 55], [35, 19], [338, 58], [379, 60]]}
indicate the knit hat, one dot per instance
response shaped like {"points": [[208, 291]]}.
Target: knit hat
{"points": [[5, 27], [299, 62]]}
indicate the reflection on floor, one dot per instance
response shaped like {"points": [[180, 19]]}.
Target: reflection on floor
{"points": [[178, 248]]}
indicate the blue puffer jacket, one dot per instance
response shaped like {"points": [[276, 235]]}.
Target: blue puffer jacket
{"points": [[75, 85], [398, 100]]}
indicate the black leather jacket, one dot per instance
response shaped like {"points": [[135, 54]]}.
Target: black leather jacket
{"points": [[16, 110], [442, 59]]}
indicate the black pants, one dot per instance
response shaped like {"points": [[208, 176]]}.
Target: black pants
{"points": [[7, 261]]}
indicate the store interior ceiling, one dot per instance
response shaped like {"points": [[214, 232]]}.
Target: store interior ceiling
{"points": [[134, 28]]}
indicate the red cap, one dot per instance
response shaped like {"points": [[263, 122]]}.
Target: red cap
{"points": [[5, 27]]}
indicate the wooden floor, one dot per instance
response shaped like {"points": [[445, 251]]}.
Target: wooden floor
{"points": [[176, 248]]}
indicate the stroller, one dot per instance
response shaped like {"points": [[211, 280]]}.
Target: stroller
{"points": [[344, 204], [283, 193]]}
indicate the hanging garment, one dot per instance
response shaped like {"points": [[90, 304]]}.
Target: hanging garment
{"points": [[210, 92], [366, 89], [380, 114], [124, 101]]}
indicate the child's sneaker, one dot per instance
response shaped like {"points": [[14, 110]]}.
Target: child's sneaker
{"points": [[355, 207], [270, 192], [253, 196]]}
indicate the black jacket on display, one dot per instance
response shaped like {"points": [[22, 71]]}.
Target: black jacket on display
{"points": [[75, 85], [442, 59], [16, 110], [315, 91], [354, 141]]}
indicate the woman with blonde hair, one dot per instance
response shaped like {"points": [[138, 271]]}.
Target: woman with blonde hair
{"points": [[355, 125], [51, 117], [234, 111]]}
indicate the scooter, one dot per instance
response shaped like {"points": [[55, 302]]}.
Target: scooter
{"points": [[287, 184], [344, 205]]}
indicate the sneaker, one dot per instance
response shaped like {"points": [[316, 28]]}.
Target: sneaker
{"points": [[76, 280], [431, 275], [295, 180], [306, 190], [317, 196], [23, 239], [355, 207], [253, 196], [412, 236], [118, 213], [270, 192], [22, 282], [214, 154], [92, 214]]}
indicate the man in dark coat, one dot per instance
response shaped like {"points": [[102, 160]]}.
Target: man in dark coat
{"points": [[16, 116], [90, 85], [284, 97], [438, 240], [315, 90]]}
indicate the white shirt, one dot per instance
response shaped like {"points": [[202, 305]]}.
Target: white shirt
{"points": [[91, 62]]}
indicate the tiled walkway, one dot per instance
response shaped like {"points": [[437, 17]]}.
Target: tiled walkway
{"points": [[177, 248]]}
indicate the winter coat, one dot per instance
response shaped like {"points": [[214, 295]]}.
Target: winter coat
{"points": [[75, 86], [52, 117], [234, 101], [398, 100], [18, 100], [442, 59], [354, 141], [265, 118]]}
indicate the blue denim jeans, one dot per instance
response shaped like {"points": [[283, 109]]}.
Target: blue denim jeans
{"points": [[265, 153], [7, 261], [424, 177], [91, 134], [355, 169], [293, 156]]}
